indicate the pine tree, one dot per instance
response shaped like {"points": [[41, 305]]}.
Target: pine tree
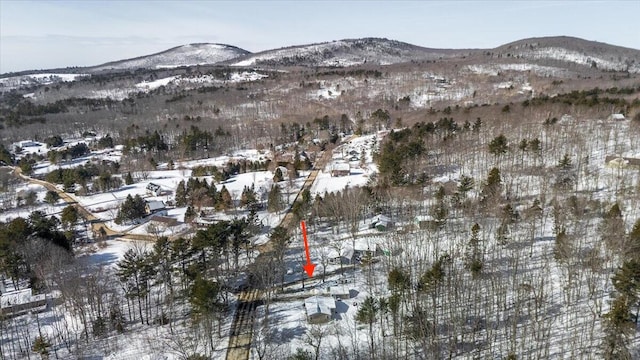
{"points": [[493, 186], [474, 254], [277, 176], [181, 194], [274, 200], [225, 201], [69, 216], [367, 315], [499, 145], [128, 179], [626, 281], [51, 197]]}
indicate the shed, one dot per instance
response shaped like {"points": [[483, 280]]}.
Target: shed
{"points": [[617, 117]]}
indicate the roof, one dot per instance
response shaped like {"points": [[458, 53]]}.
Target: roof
{"points": [[617, 117], [380, 218], [168, 221], [424, 218], [340, 166], [155, 205], [20, 297], [339, 290], [319, 305], [345, 251], [153, 187]]}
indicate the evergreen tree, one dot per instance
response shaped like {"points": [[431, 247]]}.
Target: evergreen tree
{"points": [[181, 194], [225, 202], [274, 200], [51, 197], [367, 313], [128, 179], [131, 209], [499, 145], [626, 281], [475, 252], [248, 197], [398, 280], [493, 185], [69, 216], [277, 176]]}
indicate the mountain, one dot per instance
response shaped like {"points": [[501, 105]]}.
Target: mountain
{"points": [[349, 52], [573, 50], [185, 55]]}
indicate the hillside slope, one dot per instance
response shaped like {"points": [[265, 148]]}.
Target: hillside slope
{"points": [[185, 55]]}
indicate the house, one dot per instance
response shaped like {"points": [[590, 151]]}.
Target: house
{"points": [[339, 292], [154, 189], [616, 117], [155, 207], [425, 222], [344, 256], [21, 302], [381, 223], [340, 169], [320, 309], [619, 162]]}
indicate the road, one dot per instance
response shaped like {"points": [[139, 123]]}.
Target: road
{"points": [[248, 300], [96, 223]]}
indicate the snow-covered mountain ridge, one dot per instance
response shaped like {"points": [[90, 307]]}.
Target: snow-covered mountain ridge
{"points": [[185, 55]]}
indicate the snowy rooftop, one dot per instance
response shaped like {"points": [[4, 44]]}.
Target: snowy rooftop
{"points": [[319, 305]]}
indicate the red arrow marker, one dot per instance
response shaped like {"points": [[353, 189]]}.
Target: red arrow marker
{"points": [[308, 267]]}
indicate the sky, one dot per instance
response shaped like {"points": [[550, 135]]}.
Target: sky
{"points": [[52, 34]]}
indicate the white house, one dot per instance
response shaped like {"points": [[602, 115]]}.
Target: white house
{"points": [[154, 189], [319, 309], [617, 117]]}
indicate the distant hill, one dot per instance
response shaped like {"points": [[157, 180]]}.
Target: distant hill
{"points": [[574, 50], [348, 52], [185, 55]]}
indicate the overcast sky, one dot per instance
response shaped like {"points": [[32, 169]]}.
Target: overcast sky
{"points": [[49, 34]]}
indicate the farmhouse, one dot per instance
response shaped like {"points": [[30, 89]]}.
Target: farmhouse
{"points": [[153, 189], [154, 207], [319, 309]]}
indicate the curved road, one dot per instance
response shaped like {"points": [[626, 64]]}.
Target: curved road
{"points": [[96, 223]]}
